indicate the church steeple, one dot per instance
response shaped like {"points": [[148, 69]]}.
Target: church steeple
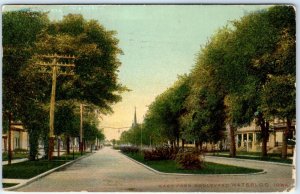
{"points": [[134, 118]]}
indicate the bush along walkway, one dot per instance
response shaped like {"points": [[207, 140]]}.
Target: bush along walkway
{"points": [[172, 166], [22, 173]]}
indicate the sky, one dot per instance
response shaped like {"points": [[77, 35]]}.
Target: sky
{"points": [[159, 43]]}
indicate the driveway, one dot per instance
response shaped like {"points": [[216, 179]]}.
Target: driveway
{"points": [[109, 170]]}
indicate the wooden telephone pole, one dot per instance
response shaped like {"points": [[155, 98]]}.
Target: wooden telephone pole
{"points": [[10, 117], [81, 129], [58, 69]]}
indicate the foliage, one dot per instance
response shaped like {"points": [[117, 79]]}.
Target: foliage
{"points": [[279, 96], [21, 95], [129, 149], [160, 153], [162, 121], [20, 30], [237, 68], [27, 35], [91, 132], [132, 136], [96, 65], [189, 160], [66, 121]]}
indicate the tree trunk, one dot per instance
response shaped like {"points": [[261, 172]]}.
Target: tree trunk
{"points": [[50, 148], [264, 127], [68, 144], [46, 144], [232, 141], [201, 145], [33, 144], [177, 142], [58, 147], [265, 136], [284, 139], [183, 142], [197, 146], [84, 145]]}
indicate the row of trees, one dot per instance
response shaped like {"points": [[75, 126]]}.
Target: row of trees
{"points": [[246, 72], [27, 37]]}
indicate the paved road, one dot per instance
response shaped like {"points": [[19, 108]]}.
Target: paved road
{"points": [[109, 170]]}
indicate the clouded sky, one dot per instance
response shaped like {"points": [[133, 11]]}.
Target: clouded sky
{"points": [[159, 43]]}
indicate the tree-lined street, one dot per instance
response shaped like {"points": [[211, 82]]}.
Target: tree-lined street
{"points": [[109, 170], [233, 93]]}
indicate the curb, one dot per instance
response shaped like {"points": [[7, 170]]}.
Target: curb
{"points": [[45, 174], [249, 160], [180, 174]]}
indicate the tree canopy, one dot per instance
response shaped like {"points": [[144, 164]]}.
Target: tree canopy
{"points": [[30, 35], [245, 72]]}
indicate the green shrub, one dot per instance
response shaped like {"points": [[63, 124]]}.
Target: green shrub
{"points": [[129, 149], [189, 160], [161, 153], [20, 150]]}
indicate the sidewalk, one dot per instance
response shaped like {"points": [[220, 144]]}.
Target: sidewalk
{"points": [[18, 181], [62, 152], [14, 161], [247, 157]]}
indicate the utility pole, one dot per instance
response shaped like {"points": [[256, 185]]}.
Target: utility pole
{"points": [[141, 137], [9, 137], [57, 70], [81, 130]]}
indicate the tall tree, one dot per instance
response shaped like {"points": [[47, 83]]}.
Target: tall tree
{"points": [[21, 95], [164, 113], [96, 50], [279, 91]]}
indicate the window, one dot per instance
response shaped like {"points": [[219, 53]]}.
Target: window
{"points": [[250, 136], [17, 140], [245, 137], [239, 136]]}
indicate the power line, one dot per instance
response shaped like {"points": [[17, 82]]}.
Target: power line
{"points": [[54, 68], [115, 127]]}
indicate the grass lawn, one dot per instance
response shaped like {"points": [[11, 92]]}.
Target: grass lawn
{"points": [[29, 169], [69, 157], [15, 156], [170, 166], [5, 185], [257, 156]]}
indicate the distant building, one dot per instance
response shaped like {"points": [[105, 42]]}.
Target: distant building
{"points": [[248, 138], [19, 138], [134, 122]]}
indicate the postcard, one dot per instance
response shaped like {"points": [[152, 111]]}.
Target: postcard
{"points": [[149, 98]]}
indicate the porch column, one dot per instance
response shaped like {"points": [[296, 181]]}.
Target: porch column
{"points": [[242, 141], [274, 138], [247, 146]]}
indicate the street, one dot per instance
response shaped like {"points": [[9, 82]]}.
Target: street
{"points": [[109, 170]]}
